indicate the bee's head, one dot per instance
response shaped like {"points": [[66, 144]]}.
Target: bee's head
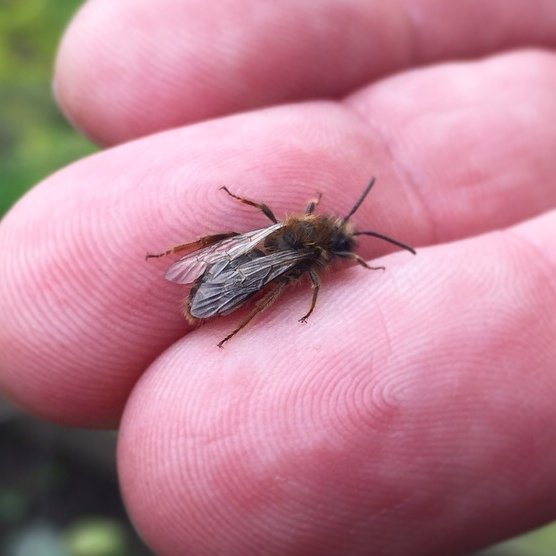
{"points": [[342, 240]]}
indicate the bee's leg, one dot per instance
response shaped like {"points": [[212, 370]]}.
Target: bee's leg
{"points": [[315, 284], [359, 260], [201, 242], [261, 305], [261, 206], [362, 262], [313, 204]]}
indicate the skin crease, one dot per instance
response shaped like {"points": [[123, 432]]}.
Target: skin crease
{"points": [[419, 400]]}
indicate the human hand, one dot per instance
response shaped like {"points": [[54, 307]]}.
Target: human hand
{"points": [[414, 413]]}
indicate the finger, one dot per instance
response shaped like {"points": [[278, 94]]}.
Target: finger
{"points": [[130, 68], [455, 130], [430, 384], [77, 293]]}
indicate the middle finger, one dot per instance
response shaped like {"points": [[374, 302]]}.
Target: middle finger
{"points": [[85, 314]]}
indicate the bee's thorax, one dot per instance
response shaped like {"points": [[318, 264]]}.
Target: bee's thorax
{"points": [[325, 234]]}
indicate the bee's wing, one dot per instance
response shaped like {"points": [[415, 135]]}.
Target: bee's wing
{"points": [[225, 288], [191, 266]]}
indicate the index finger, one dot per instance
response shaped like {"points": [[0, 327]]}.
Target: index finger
{"points": [[84, 314], [129, 68]]}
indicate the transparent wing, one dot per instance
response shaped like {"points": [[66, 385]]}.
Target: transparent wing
{"points": [[224, 289], [191, 266]]}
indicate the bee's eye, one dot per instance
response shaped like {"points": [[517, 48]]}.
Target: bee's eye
{"points": [[342, 243]]}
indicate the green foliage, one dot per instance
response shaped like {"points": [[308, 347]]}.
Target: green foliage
{"points": [[97, 537], [35, 139]]}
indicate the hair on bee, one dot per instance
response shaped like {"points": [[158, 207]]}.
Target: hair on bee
{"points": [[228, 269]]}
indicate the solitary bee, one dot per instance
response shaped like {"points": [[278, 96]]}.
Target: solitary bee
{"points": [[228, 269]]}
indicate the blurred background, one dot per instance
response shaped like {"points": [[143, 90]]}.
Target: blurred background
{"points": [[58, 487]]}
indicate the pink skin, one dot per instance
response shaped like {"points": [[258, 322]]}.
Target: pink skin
{"points": [[132, 67], [414, 413]]}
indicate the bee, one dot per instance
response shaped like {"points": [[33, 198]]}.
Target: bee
{"points": [[228, 269]]}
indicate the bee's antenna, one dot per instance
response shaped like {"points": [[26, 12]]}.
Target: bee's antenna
{"points": [[360, 200], [388, 239]]}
